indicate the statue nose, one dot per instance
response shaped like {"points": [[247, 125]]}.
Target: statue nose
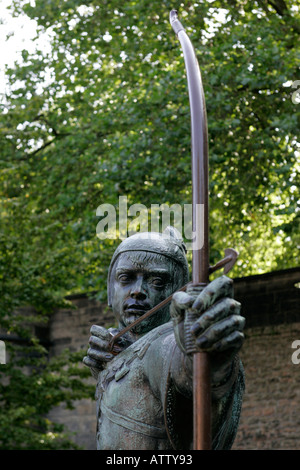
{"points": [[138, 291]]}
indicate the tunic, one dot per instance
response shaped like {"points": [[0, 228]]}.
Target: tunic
{"points": [[144, 398]]}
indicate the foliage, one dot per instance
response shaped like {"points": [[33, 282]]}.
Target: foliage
{"points": [[106, 114], [35, 386]]}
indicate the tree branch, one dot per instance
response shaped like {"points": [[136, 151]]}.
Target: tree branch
{"points": [[281, 9], [42, 147], [279, 6]]}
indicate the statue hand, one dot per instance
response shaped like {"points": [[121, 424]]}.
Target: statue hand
{"points": [[99, 353], [218, 329]]}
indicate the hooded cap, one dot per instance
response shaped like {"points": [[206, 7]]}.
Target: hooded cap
{"points": [[169, 244]]}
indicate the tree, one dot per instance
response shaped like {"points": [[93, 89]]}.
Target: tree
{"points": [[106, 114]]}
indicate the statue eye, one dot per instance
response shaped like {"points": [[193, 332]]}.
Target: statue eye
{"points": [[123, 278], [158, 282]]}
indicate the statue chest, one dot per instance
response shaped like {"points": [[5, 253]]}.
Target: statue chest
{"points": [[129, 415]]}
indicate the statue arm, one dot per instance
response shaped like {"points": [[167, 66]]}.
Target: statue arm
{"points": [[217, 330], [226, 398], [181, 375], [169, 373]]}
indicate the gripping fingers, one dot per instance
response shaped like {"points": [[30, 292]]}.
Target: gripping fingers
{"points": [[98, 343], [100, 332], [98, 352], [217, 312], [219, 334], [101, 337], [233, 341], [180, 302], [214, 291], [99, 356], [88, 361]]}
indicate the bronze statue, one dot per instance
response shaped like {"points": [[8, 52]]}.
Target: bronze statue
{"points": [[170, 378], [144, 386]]}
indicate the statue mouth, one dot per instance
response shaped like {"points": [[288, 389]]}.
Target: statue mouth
{"points": [[135, 309]]}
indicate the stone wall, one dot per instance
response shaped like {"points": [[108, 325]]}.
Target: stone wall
{"points": [[270, 416], [271, 298], [271, 409]]}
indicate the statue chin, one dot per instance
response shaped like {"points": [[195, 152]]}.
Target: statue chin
{"points": [[139, 329], [148, 324]]}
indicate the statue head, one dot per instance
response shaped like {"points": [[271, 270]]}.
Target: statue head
{"points": [[144, 270]]}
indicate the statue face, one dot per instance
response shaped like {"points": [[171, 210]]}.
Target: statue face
{"points": [[139, 282]]}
